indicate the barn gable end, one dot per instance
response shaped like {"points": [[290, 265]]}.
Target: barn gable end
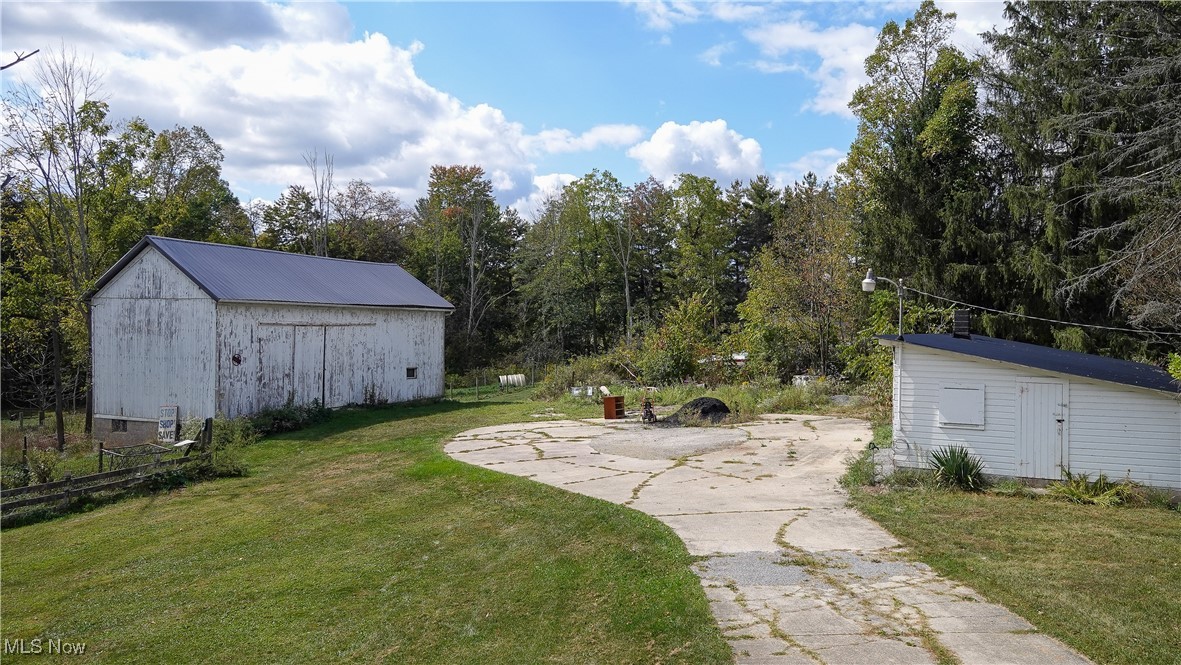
{"points": [[152, 345]]}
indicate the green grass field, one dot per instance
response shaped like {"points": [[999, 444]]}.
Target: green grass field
{"points": [[359, 540], [1107, 581]]}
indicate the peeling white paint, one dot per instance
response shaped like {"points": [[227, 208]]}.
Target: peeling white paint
{"points": [[159, 339]]}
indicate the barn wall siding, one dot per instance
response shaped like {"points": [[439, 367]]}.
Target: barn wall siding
{"points": [[1108, 428], [152, 343], [343, 355]]}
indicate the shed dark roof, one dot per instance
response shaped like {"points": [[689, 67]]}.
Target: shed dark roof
{"points": [[230, 272], [1049, 359]]}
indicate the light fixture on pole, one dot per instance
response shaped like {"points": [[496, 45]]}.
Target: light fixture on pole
{"points": [[871, 282]]}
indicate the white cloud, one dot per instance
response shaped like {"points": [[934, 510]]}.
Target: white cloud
{"points": [[712, 56], [272, 81], [841, 49], [662, 15], [702, 148], [545, 187], [823, 163], [737, 12], [973, 18], [553, 141]]}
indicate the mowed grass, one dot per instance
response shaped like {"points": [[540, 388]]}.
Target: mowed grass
{"points": [[360, 540], [1106, 581]]}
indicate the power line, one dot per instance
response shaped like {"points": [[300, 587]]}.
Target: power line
{"points": [[1039, 318]]}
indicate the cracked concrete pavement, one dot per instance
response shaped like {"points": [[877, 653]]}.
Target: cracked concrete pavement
{"points": [[792, 574]]}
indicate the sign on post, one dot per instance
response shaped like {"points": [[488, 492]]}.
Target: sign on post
{"points": [[169, 423]]}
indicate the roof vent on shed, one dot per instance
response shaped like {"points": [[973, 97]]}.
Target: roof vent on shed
{"points": [[961, 324]]}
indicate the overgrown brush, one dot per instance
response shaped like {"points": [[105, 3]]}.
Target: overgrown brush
{"points": [[1079, 488], [860, 470], [955, 467], [909, 478], [289, 417], [1011, 487]]}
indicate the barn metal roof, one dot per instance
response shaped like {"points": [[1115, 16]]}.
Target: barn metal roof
{"points": [[1046, 358], [230, 272]]}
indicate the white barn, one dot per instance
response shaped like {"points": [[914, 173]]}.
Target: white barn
{"points": [[1029, 411], [233, 330]]}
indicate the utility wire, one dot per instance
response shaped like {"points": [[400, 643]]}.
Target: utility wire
{"points": [[1039, 318]]}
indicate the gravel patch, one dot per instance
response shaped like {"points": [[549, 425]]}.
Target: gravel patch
{"points": [[651, 442], [754, 569]]}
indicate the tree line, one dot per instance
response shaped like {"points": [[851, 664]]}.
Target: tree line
{"points": [[1041, 177]]}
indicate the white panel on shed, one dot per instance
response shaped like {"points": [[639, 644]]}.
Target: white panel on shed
{"points": [[961, 406], [1041, 418]]}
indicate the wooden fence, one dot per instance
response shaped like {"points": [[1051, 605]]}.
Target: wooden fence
{"points": [[65, 491]]}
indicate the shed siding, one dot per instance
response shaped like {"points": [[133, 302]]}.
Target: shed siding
{"points": [[347, 355], [1125, 432], [920, 374], [1110, 428], [152, 342]]}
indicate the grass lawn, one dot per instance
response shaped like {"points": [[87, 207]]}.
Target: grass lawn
{"points": [[1107, 581], [359, 540]]}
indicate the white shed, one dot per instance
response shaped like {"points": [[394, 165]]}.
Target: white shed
{"points": [[1030, 411], [233, 330]]}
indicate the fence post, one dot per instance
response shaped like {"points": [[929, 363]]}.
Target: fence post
{"points": [[66, 494], [208, 443], [100, 456]]}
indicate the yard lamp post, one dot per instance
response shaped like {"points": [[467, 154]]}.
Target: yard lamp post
{"points": [[871, 282]]}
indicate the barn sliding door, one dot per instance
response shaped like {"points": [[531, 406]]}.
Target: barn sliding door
{"points": [[290, 365], [275, 381], [1041, 428], [308, 363]]}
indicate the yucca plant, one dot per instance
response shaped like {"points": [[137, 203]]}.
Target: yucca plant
{"points": [[955, 467]]}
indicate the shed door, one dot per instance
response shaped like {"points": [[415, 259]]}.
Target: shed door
{"points": [[1041, 429]]}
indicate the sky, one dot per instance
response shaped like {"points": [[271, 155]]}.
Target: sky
{"points": [[537, 93]]}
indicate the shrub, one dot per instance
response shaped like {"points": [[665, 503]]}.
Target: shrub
{"points": [[43, 465], [225, 450], [289, 417], [1079, 488], [585, 371], [955, 467]]}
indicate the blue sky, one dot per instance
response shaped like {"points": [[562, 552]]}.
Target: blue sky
{"points": [[537, 93]]}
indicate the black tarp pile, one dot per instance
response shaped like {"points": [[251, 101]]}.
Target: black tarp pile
{"points": [[698, 410]]}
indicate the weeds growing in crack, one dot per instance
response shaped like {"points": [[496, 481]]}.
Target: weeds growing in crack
{"points": [[931, 643]]}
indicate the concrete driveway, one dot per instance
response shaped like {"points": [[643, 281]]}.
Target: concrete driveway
{"points": [[792, 574]]}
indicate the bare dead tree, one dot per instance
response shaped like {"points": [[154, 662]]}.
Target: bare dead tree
{"points": [[322, 192], [54, 123], [19, 57]]}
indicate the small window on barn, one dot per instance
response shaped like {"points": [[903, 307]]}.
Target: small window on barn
{"points": [[961, 406], [118, 425], [411, 372]]}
